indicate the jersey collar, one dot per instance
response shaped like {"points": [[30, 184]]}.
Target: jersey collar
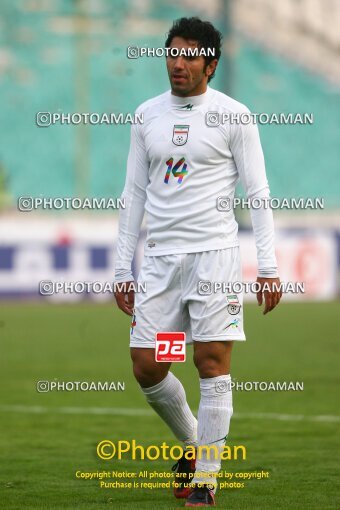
{"points": [[188, 103]]}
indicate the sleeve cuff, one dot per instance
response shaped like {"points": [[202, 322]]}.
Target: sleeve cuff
{"points": [[123, 275]]}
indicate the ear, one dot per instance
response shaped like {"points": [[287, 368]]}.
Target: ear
{"points": [[209, 70]]}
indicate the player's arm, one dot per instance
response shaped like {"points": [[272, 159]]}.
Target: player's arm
{"points": [[247, 152], [130, 218]]}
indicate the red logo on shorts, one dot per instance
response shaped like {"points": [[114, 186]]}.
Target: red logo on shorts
{"points": [[170, 346]]}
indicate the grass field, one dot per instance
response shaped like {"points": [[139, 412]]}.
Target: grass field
{"points": [[46, 437]]}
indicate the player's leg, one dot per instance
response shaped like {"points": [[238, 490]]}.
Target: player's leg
{"points": [[165, 394], [146, 369], [214, 414], [215, 409], [215, 325]]}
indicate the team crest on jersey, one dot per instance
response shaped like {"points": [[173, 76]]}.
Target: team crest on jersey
{"points": [[234, 305], [180, 134]]}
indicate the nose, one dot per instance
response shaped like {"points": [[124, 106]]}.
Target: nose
{"points": [[179, 63]]}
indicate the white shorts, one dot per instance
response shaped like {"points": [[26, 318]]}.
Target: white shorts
{"points": [[175, 300]]}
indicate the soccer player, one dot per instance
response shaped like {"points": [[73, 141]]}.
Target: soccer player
{"points": [[181, 161]]}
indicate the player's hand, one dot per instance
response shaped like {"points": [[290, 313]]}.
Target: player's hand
{"points": [[270, 293], [125, 298]]}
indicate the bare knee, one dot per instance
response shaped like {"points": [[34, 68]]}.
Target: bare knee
{"points": [[208, 367], [145, 369], [146, 376]]}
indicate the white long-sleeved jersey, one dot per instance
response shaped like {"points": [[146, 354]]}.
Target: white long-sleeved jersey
{"points": [[178, 167]]}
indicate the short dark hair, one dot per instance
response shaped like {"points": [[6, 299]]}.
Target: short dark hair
{"points": [[206, 35]]}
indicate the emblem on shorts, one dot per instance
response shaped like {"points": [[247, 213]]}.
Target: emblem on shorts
{"points": [[233, 324], [151, 244], [180, 134], [233, 304]]}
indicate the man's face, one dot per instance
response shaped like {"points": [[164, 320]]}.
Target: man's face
{"points": [[188, 75]]}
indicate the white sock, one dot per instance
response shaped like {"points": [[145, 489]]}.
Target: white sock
{"points": [[214, 414], [169, 401]]}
